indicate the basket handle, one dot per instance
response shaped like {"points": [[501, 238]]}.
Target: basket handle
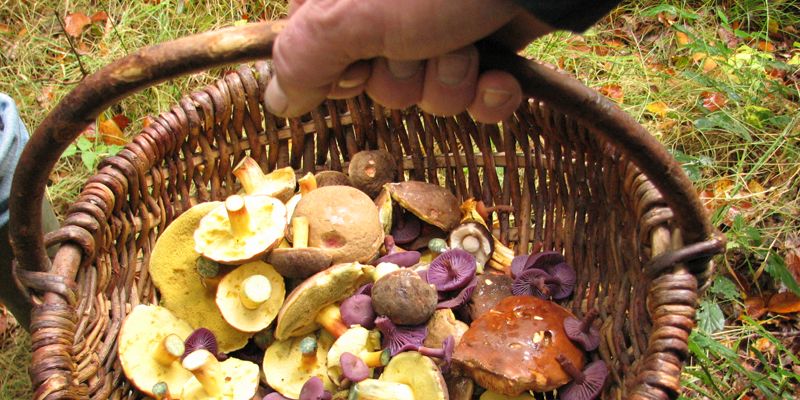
{"points": [[254, 41]]}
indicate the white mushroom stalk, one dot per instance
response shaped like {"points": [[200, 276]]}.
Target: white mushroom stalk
{"points": [[255, 290], [208, 371], [169, 349], [300, 232], [237, 214]]}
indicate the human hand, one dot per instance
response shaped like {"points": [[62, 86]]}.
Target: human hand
{"points": [[400, 53]]}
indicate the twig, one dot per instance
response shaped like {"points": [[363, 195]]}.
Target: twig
{"points": [[71, 45], [116, 33]]}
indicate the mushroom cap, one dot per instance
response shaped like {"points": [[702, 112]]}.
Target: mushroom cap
{"points": [[431, 203], [566, 277], [267, 222], [353, 367], [297, 316], [529, 333], [373, 389], [172, 268], [460, 298], [314, 389], [543, 260], [355, 341], [299, 263], [369, 170], [239, 383], [594, 376], [525, 284], [279, 183], [357, 310], [202, 338], [400, 258], [231, 307], [452, 270], [395, 337], [331, 178], [490, 395], [404, 297], [286, 370], [141, 333], [485, 245], [442, 325], [490, 289], [419, 372], [587, 340], [406, 228], [343, 221]]}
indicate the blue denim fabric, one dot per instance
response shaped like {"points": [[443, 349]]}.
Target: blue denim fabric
{"points": [[13, 137]]}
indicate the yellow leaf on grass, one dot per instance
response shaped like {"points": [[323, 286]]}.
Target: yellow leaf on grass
{"points": [[110, 132], [682, 38], [658, 108]]}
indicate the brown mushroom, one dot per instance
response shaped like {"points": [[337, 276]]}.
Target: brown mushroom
{"points": [[279, 183], [442, 324], [242, 230], [342, 221], [491, 288], [528, 332], [369, 170], [404, 297], [299, 261], [459, 387], [431, 203], [332, 178]]}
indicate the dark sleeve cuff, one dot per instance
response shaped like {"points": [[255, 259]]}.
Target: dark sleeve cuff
{"points": [[573, 15]]}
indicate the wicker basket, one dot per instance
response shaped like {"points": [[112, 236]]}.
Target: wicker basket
{"points": [[581, 175]]}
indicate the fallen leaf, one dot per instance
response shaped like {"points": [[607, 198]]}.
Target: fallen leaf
{"points": [[784, 303], [755, 307], [614, 43], [658, 108], [682, 38], [764, 345], [74, 23], [100, 16], [121, 121], [755, 187], [614, 92], [146, 121], [792, 260], [45, 97], [713, 101], [765, 46], [111, 133], [5, 28]]}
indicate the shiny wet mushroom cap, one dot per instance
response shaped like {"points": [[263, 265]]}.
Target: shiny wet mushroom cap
{"points": [[491, 289], [431, 203]]}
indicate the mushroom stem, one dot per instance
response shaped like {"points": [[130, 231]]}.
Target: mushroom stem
{"points": [[375, 359], [588, 320], [330, 318], [169, 349], [300, 232], [249, 174], [255, 290], [238, 216], [208, 371], [308, 348], [570, 369], [471, 244], [307, 183], [161, 391]]}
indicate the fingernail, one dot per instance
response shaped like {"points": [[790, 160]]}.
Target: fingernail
{"points": [[494, 98], [403, 69], [350, 83], [277, 103], [452, 68]]}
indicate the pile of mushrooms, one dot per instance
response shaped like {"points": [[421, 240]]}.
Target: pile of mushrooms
{"points": [[354, 286]]}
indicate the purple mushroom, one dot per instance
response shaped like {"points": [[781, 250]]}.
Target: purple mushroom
{"points": [[394, 337], [445, 353], [314, 389], [583, 332], [366, 289], [395, 255], [275, 396], [202, 338], [537, 282], [353, 367], [586, 384], [544, 261], [461, 297], [357, 310], [407, 228], [452, 270]]}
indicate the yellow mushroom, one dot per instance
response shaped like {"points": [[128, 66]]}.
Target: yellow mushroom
{"points": [[232, 379], [279, 183], [250, 296]]}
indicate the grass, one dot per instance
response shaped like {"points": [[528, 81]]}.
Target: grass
{"points": [[661, 61]]}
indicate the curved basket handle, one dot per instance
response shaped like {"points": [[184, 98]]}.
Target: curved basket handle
{"points": [[254, 41]]}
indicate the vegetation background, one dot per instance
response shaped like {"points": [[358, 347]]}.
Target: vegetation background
{"points": [[717, 82]]}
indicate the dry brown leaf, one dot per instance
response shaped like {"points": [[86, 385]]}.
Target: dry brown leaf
{"points": [[755, 307], [764, 45], [111, 133], [74, 23], [764, 345], [45, 97], [613, 92], [792, 260], [100, 16], [713, 101], [784, 303], [658, 108]]}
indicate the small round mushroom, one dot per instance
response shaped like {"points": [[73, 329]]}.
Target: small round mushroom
{"points": [[286, 367], [407, 227], [373, 389], [279, 183], [357, 310], [369, 170], [231, 379], [537, 282], [529, 333], [474, 238], [355, 341], [314, 389], [299, 261], [585, 385], [452, 270], [250, 296], [396, 255], [314, 300], [438, 245], [583, 331], [331, 178], [404, 297], [430, 203], [448, 300], [394, 337], [173, 264], [242, 230], [418, 372], [202, 338], [342, 221], [150, 342], [353, 367]]}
